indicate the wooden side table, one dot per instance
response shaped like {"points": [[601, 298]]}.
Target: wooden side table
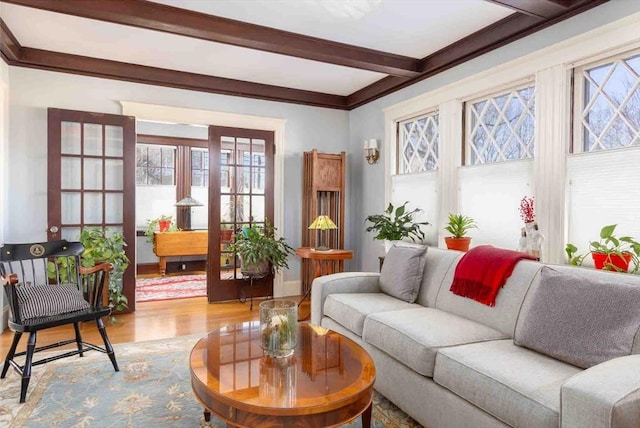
{"points": [[325, 262]]}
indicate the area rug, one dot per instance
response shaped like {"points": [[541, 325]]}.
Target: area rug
{"points": [[153, 388], [170, 287]]}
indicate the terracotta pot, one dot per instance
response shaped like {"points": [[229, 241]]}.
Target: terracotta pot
{"points": [[612, 262], [164, 225], [460, 244]]}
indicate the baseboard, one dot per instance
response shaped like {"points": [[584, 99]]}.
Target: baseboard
{"points": [[291, 288]]}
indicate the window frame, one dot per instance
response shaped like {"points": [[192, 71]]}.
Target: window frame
{"points": [[577, 98], [505, 89], [205, 158], [183, 172], [161, 167], [435, 111]]}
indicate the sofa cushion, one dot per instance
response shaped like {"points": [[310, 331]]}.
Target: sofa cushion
{"points": [[516, 385], [413, 336], [402, 270], [350, 309], [580, 320], [504, 314], [439, 263], [37, 301]]}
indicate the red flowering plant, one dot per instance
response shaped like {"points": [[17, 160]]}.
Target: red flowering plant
{"points": [[526, 210]]}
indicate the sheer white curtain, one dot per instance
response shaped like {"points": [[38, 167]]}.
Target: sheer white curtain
{"points": [[491, 194], [421, 190], [603, 188]]}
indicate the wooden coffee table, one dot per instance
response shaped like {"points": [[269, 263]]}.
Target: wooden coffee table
{"points": [[328, 381]]}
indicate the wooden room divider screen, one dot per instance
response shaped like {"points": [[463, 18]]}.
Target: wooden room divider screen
{"points": [[322, 193]]}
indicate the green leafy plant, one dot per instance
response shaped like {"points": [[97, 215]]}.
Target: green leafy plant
{"points": [[609, 245], [259, 249], [396, 223], [101, 245], [459, 225], [153, 225]]}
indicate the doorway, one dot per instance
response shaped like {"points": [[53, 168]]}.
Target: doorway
{"points": [[203, 118], [172, 166]]}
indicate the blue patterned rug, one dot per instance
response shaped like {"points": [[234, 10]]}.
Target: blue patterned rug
{"points": [[153, 389]]}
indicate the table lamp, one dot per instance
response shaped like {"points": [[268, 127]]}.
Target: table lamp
{"points": [[322, 223], [187, 203]]}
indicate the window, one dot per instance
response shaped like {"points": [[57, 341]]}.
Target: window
{"points": [[501, 127], [155, 165], [199, 167], [418, 144], [608, 104]]}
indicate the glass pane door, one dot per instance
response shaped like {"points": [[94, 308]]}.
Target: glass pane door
{"points": [[242, 182], [90, 174]]}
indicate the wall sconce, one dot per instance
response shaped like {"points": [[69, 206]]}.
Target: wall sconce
{"points": [[371, 153]]}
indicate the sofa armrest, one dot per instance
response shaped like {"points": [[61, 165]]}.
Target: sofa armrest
{"points": [[603, 396], [345, 282]]}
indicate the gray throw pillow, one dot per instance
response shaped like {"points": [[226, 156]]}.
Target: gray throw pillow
{"points": [[579, 320], [401, 272]]}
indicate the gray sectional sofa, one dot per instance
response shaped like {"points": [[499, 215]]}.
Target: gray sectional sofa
{"points": [[449, 361]]}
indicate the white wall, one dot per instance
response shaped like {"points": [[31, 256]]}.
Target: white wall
{"points": [[33, 91], [368, 121], [4, 173]]}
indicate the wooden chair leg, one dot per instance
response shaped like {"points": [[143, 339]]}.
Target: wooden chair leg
{"points": [[26, 371], [107, 344], [76, 327], [11, 353]]}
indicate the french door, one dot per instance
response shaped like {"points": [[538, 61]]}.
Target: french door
{"points": [[240, 195], [91, 179]]}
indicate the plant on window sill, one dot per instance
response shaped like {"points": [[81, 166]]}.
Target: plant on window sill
{"points": [[610, 252], [458, 227]]}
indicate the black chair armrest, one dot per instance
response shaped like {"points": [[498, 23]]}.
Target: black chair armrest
{"points": [[9, 283]]}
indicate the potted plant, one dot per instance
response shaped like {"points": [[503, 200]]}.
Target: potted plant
{"points": [[621, 254], [458, 227], [101, 245], [396, 224], [164, 223], [259, 250]]}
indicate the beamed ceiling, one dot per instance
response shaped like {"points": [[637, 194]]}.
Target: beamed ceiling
{"points": [[329, 53]]}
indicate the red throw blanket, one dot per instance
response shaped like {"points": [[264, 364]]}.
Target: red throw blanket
{"points": [[482, 272]]}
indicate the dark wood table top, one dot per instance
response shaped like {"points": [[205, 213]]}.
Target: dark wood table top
{"points": [[327, 381]]}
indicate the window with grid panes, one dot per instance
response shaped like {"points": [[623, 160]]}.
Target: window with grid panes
{"points": [[606, 117], [608, 104], [418, 144], [155, 165], [199, 167], [501, 127]]}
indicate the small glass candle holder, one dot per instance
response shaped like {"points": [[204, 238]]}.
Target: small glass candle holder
{"points": [[278, 327]]}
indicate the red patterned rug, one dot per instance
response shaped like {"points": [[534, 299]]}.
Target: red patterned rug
{"points": [[170, 287]]}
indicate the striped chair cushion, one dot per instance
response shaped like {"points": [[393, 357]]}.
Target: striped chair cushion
{"points": [[37, 301]]}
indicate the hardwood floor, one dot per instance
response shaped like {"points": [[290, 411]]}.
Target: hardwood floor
{"points": [[155, 320]]}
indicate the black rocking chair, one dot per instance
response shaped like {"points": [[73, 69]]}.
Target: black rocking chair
{"points": [[46, 286]]}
